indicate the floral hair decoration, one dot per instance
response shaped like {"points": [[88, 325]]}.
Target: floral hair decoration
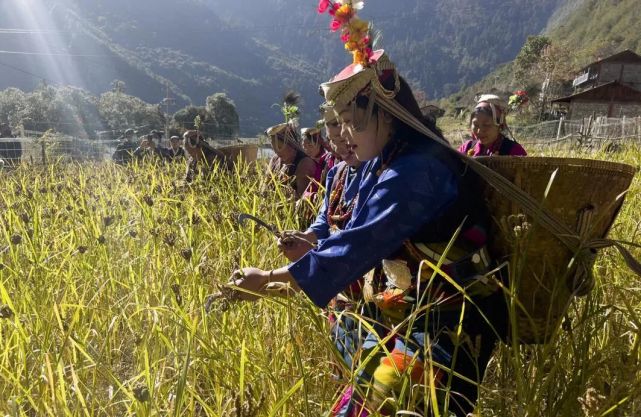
{"points": [[354, 31], [288, 131], [369, 68], [518, 99]]}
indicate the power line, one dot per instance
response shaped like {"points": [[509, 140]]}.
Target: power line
{"points": [[29, 31], [314, 27], [27, 72], [48, 54]]}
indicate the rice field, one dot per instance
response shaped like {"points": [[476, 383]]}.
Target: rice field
{"points": [[104, 278]]}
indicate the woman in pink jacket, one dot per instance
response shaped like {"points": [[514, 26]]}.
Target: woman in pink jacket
{"points": [[488, 131]]}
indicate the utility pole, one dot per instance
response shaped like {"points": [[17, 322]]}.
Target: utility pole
{"points": [[167, 101]]}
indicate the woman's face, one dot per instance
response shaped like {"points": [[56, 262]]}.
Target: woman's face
{"points": [[333, 129], [311, 147], [339, 144], [285, 152], [367, 143], [484, 129]]}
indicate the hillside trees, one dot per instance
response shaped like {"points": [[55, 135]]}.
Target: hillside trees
{"points": [[219, 117], [184, 118], [121, 111], [543, 68], [224, 115], [118, 86], [76, 112], [595, 29], [67, 110], [442, 44], [526, 61], [12, 101]]}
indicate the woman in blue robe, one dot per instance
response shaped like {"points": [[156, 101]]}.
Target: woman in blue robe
{"points": [[413, 198], [341, 192]]}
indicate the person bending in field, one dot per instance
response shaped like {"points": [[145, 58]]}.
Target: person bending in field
{"points": [[489, 130], [341, 190], [202, 157], [125, 150], [413, 197], [341, 193], [314, 147], [289, 165], [175, 152], [149, 148]]}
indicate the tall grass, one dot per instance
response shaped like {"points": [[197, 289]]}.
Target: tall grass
{"points": [[593, 367], [104, 273]]}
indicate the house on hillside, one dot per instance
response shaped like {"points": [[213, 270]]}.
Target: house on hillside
{"points": [[624, 67], [432, 111], [608, 87]]}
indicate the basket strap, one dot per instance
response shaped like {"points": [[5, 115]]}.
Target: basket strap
{"points": [[629, 259], [504, 186]]}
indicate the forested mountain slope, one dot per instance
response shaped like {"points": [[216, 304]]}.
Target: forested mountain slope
{"points": [[581, 31], [252, 50]]}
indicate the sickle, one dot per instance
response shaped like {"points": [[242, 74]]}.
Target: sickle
{"points": [[273, 229]]}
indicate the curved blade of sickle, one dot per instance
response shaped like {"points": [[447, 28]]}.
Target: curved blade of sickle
{"points": [[244, 216]]}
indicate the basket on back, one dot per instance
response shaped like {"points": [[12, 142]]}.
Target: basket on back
{"points": [[247, 152], [544, 278]]}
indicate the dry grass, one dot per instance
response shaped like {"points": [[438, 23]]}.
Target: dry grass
{"points": [[104, 272]]}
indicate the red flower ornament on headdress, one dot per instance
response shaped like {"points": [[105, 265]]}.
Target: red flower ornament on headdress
{"points": [[323, 5], [354, 31]]}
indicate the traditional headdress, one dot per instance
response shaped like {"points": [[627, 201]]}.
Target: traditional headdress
{"points": [[314, 134], [493, 106], [371, 73], [368, 74], [288, 131], [310, 131], [327, 111], [285, 132], [290, 107]]}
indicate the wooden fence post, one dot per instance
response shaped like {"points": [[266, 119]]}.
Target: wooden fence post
{"points": [[43, 152], [558, 131]]}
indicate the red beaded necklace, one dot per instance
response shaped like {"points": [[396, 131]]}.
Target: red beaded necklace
{"points": [[339, 210]]}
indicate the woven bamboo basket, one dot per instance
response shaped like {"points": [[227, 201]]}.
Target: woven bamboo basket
{"points": [[247, 152], [584, 196]]}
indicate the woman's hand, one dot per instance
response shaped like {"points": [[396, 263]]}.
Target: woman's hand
{"points": [[278, 283], [294, 244], [250, 279]]}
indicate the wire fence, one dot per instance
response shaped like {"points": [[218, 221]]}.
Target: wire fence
{"points": [[592, 133], [588, 133], [38, 148]]}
